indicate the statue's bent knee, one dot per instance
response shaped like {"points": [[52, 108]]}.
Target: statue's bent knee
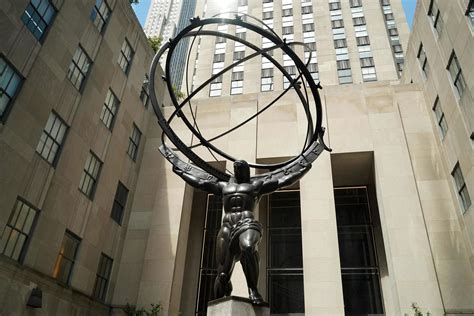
{"points": [[223, 278]]}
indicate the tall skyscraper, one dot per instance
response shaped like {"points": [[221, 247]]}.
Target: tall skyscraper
{"points": [[162, 18], [351, 42]]}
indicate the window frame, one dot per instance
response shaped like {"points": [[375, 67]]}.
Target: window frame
{"points": [[458, 77], [77, 239], [133, 152], [460, 187], [60, 146], [96, 292], [8, 108], [470, 12], [122, 56], [117, 216], [440, 118], [26, 242], [80, 89], [435, 17], [106, 110], [99, 15], [45, 32], [144, 92], [423, 62], [91, 194]]}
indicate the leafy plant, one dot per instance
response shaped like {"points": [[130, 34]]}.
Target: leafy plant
{"points": [[133, 311], [155, 42], [417, 310]]}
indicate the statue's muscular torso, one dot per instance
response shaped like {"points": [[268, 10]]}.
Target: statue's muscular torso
{"points": [[239, 201]]}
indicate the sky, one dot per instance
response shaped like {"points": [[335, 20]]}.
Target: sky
{"points": [[141, 10]]}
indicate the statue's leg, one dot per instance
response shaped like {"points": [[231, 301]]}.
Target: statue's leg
{"points": [[248, 242], [225, 264]]}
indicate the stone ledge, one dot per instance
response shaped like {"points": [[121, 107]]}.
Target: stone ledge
{"points": [[235, 305]]}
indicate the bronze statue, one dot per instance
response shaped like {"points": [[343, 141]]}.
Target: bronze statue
{"points": [[240, 233]]}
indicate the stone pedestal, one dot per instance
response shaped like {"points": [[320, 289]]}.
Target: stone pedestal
{"points": [[236, 306]]}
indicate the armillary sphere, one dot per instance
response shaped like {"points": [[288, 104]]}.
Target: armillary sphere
{"points": [[302, 83]]}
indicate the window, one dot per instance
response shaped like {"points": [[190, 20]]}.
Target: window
{"points": [[109, 110], [334, 6], [357, 252], [79, 68], [66, 258], [367, 62], [470, 12], [355, 3], [267, 15], [239, 55], [220, 39], [90, 175], [344, 71], [38, 16], [456, 74], [126, 55], [287, 30], [120, 201], [241, 35], [134, 142], [308, 27], [266, 83], [102, 277], [340, 43], [307, 9], [397, 48], [358, 21], [337, 24], [216, 87], [389, 17], [435, 15], [208, 266], [144, 94], [310, 47], [50, 143], [393, 32], [218, 58], [440, 118], [363, 40], [18, 230], [236, 86], [461, 188], [10, 82], [369, 74], [287, 12], [100, 14], [423, 60], [284, 254]]}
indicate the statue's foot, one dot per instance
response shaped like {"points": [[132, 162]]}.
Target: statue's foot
{"points": [[255, 297]]}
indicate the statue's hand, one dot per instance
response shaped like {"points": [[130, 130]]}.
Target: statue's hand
{"points": [[177, 170]]}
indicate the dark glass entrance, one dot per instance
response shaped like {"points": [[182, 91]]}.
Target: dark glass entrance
{"points": [[359, 266]]}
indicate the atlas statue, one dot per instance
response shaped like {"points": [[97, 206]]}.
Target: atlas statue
{"points": [[240, 232]]}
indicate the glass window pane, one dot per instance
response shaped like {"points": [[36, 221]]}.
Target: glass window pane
{"points": [[286, 293], [367, 300]]}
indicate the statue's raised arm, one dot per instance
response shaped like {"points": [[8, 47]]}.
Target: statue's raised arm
{"points": [[296, 170], [191, 174]]}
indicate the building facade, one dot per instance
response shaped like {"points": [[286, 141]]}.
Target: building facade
{"points": [[73, 123], [439, 60], [93, 216]]}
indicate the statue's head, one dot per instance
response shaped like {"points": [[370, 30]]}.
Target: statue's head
{"points": [[241, 171]]}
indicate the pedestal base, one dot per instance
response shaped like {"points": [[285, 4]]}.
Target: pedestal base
{"points": [[238, 306]]}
